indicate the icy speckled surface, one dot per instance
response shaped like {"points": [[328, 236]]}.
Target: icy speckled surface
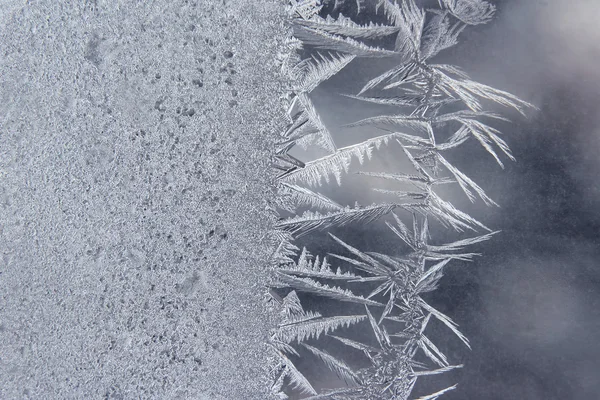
{"points": [[134, 145]]}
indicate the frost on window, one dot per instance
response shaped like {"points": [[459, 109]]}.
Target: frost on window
{"points": [[354, 322]]}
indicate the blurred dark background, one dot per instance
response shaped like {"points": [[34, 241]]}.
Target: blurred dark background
{"points": [[531, 304]]}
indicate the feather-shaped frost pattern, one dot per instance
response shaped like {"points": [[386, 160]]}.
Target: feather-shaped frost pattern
{"points": [[411, 20], [365, 267], [401, 230], [291, 307], [297, 379], [446, 321], [337, 366], [310, 221], [419, 91], [284, 347], [314, 172], [382, 338], [412, 122], [356, 345], [325, 139], [437, 371], [459, 245], [469, 91], [443, 211], [466, 183], [396, 263], [314, 328], [437, 394], [439, 35], [305, 316], [396, 177], [400, 73], [300, 119], [278, 384], [312, 286], [432, 352], [344, 26], [428, 281], [285, 251], [319, 68], [322, 271], [306, 197], [451, 69], [310, 137], [447, 214], [400, 101], [374, 266], [289, 56], [486, 135], [433, 270], [324, 40], [470, 12]]}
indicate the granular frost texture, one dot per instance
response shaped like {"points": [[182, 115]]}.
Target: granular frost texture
{"points": [[135, 139]]}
